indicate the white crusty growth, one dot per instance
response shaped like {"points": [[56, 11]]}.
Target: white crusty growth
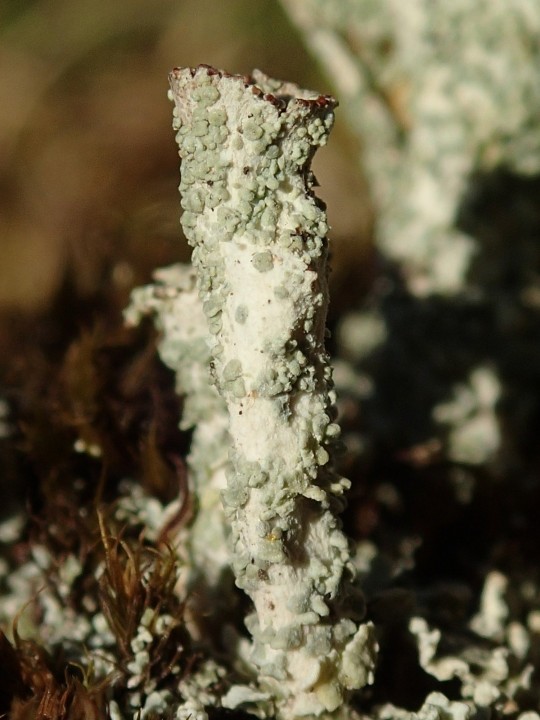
{"points": [[174, 303], [259, 239]]}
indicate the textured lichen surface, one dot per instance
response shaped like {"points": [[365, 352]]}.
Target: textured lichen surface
{"points": [[173, 302], [259, 239]]}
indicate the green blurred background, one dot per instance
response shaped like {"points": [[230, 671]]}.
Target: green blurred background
{"points": [[88, 164]]}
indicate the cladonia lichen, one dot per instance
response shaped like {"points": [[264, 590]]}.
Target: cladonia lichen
{"points": [[259, 247], [173, 302]]}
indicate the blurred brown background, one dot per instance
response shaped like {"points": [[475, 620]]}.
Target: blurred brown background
{"points": [[88, 164]]}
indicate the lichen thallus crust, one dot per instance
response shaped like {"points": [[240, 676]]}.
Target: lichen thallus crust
{"points": [[259, 247]]}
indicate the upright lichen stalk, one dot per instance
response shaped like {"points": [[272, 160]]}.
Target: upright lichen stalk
{"points": [[173, 302], [258, 234]]}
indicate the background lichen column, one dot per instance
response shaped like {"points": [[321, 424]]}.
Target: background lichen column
{"points": [[172, 299], [259, 242]]}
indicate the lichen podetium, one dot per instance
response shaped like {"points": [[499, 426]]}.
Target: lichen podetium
{"points": [[259, 246]]}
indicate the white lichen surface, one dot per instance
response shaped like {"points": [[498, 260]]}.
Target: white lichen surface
{"points": [[39, 595], [259, 238], [493, 613], [435, 707], [490, 675], [173, 302], [436, 92], [474, 435]]}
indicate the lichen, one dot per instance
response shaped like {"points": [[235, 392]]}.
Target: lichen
{"points": [[490, 675], [435, 92], [111, 610], [174, 304], [271, 369]]}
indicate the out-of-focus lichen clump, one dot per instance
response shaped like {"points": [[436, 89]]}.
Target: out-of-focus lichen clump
{"points": [[436, 92]]}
